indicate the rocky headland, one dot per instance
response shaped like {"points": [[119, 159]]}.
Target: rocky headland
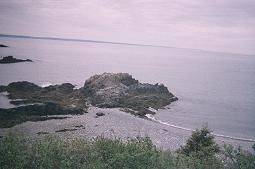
{"points": [[11, 59], [108, 90]]}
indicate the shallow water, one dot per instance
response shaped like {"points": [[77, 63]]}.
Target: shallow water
{"points": [[216, 89]]}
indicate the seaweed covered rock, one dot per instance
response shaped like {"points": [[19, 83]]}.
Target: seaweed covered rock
{"points": [[23, 86], [31, 91], [33, 112], [36, 102], [11, 59], [63, 88], [122, 90]]}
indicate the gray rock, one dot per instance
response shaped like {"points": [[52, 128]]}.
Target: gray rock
{"points": [[3, 46], [100, 114], [11, 59], [122, 90]]}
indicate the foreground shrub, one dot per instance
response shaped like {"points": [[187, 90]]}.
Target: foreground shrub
{"points": [[201, 144], [54, 153], [238, 158], [103, 153]]}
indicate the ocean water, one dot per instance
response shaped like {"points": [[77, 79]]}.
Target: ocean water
{"points": [[216, 89]]}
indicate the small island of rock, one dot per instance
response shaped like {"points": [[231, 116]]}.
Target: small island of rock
{"points": [[11, 59], [3, 46]]}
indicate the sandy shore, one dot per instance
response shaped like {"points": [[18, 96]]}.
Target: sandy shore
{"points": [[113, 124]]}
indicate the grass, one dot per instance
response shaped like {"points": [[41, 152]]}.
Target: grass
{"points": [[102, 153]]}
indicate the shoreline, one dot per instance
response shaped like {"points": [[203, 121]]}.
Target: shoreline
{"points": [[114, 124], [151, 117]]}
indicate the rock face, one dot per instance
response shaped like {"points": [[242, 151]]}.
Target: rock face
{"points": [[122, 90], [11, 59]]}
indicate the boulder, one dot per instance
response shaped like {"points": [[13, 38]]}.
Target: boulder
{"points": [[100, 114]]}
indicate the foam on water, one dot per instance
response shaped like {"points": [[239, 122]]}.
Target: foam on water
{"points": [[151, 117], [46, 84]]}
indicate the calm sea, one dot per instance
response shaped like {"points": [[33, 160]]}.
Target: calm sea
{"points": [[216, 89]]}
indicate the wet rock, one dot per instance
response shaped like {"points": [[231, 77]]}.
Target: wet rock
{"points": [[108, 90], [3, 88], [79, 126], [63, 88], [34, 112], [23, 86], [100, 114], [64, 130], [19, 102], [42, 133], [3, 46], [11, 59]]}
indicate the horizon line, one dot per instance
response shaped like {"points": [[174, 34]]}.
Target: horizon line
{"points": [[108, 42]]}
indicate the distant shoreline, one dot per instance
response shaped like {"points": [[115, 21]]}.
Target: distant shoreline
{"points": [[110, 42]]}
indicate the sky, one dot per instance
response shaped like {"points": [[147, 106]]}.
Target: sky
{"points": [[216, 25]]}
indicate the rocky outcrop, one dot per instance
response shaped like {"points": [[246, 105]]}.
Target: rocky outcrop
{"points": [[11, 59], [33, 112], [3, 46], [122, 90], [64, 95], [108, 90], [36, 103]]}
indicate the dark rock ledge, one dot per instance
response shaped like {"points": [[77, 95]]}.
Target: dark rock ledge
{"points": [[3, 46], [108, 90], [11, 59]]}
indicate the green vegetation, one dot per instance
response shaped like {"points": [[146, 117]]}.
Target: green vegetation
{"points": [[200, 144], [101, 153]]}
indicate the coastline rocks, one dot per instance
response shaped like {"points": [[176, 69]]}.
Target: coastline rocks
{"points": [[63, 88], [35, 102], [3, 46], [33, 112], [112, 90], [11, 59], [108, 90], [23, 86]]}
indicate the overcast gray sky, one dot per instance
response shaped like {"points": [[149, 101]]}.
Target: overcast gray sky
{"points": [[217, 25]]}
